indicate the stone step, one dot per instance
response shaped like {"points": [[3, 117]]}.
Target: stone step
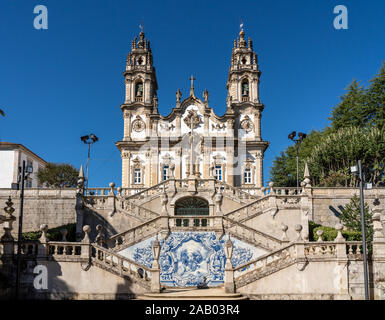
{"points": [[192, 294]]}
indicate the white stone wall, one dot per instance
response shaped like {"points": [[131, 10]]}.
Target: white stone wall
{"points": [[6, 168]]}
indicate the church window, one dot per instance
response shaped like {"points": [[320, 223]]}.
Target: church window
{"points": [[137, 176], [139, 89], [218, 173], [140, 61], [165, 172], [245, 88], [244, 60], [191, 206], [247, 176]]}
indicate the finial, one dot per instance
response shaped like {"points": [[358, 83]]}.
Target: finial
{"points": [[192, 86], [178, 96], [81, 172], [206, 96]]}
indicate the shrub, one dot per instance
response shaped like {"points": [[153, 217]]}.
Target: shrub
{"points": [[53, 234], [330, 233]]}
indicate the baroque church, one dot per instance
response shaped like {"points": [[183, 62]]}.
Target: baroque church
{"points": [[230, 146], [192, 210]]}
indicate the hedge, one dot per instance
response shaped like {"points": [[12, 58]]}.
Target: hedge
{"points": [[53, 234], [330, 233]]}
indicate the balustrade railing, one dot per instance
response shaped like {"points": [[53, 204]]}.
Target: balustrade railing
{"points": [[56, 248], [121, 265], [133, 235], [251, 235], [196, 223]]}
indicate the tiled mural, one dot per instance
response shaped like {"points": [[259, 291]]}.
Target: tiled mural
{"points": [[187, 257]]}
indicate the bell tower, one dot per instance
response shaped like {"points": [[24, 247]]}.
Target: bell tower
{"points": [[139, 76], [243, 79]]}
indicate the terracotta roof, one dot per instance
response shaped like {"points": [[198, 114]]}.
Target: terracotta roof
{"points": [[10, 145]]}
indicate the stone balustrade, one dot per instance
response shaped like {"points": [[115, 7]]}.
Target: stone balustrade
{"points": [[195, 223], [136, 234], [251, 235], [121, 265]]}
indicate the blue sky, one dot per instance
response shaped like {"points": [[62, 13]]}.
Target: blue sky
{"points": [[64, 82]]}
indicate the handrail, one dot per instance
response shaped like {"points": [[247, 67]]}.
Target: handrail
{"points": [[253, 230]]}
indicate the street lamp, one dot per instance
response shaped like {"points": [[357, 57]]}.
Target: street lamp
{"points": [[89, 140], [301, 137], [357, 170], [25, 172]]}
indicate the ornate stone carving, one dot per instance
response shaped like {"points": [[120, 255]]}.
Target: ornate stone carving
{"points": [[247, 124], [218, 126], [138, 124], [166, 127], [126, 155], [192, 117]]}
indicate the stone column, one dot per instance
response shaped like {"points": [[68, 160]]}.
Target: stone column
{"points": [[42, 250], [259, 169], [206, 160], [155, 279], [342, 268], [257, 125], [126, 169], [127, 125], [378, 256], [229, 271], [230, 165], [206, 124], [147, 169], [178, 124], [148, 126], [178, 164], [154, 166], [128, 90], [86, 243]]}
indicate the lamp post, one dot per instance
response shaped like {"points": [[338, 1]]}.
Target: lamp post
{"points": [[25, 172], [301, 137], [89, 140], [357, 170]]}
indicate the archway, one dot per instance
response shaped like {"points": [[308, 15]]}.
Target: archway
{"points": [[191, 206]]}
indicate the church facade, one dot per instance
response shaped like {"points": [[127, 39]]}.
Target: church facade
{"points": [[192, 211], [192, 140]]}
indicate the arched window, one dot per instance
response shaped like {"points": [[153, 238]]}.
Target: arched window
{"points": [[245, 88], [139, 89], [191, 206]]}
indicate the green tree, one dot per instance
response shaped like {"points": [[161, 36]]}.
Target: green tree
{"points": [[56, 175], [376, 98], [2, 113], [351, 217], [357, 131], [352, 111]]}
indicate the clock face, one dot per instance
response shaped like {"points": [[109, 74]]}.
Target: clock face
{"points": [[138, 125]]}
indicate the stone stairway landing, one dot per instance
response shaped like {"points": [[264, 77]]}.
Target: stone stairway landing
{"points": [[192, 294]]}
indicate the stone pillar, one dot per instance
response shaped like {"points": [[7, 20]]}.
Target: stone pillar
{"points": [[230, 165], [42, 250], [155, 279], [147, 169], [127, 125], [148, 126], [257, 125], [206, 123], [206, 161], [154, 166], [126, 169], [178, 124], [259, 169], [128, 91], [178, 164], [229, 271], [342, 266], [110, 205], [378, 259], [86, 243]]}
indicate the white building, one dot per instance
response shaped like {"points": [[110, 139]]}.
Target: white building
{"points": [[12, 156]]}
